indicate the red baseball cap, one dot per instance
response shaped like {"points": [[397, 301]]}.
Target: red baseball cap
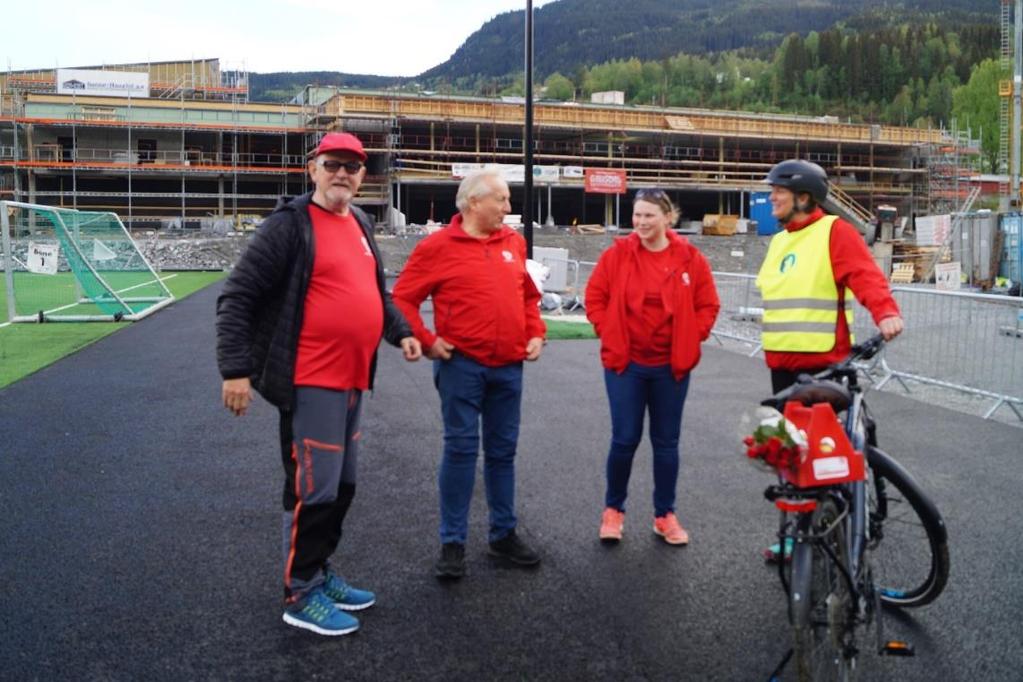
{"points": [[339, 142]]}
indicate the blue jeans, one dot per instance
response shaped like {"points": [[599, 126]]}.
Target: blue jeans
{"points": [[637, 390], [471, 392]]}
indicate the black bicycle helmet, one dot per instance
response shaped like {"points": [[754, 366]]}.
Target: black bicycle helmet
{"points": [[800, 176]]}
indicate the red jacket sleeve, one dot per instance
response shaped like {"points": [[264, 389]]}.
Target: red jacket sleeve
{"points": [[598, 293], [705, 295], [854, 267], [535, 326], [415, 283]]}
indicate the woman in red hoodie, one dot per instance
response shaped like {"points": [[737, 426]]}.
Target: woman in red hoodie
{"points": [[652, 302]]}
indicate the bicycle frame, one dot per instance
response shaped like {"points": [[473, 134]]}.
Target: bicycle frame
{"points": [[850, 525], [835, 527]]}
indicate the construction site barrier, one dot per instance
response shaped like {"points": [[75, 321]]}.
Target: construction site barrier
{"points": [[966, 342]]}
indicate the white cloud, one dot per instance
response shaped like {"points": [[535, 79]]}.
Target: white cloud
{"points": [[394, 38]]}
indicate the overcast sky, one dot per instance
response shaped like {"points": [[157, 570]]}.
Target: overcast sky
{"points": [[383, 37]]}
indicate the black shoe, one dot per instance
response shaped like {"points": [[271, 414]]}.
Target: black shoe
{"points": [[513, 549], [451, 564]]}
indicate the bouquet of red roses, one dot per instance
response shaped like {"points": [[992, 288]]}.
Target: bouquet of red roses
{"points": [[775, 442]]}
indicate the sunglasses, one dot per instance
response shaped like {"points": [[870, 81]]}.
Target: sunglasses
{"points": [[332, 166], [652, 194]]}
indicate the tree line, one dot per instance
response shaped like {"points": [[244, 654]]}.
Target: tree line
{"points": [[908, 75]]}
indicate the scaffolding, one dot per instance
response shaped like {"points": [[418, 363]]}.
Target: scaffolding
{"points": [[200, 79], [1005, 97], [184, 156], [156, 162]]}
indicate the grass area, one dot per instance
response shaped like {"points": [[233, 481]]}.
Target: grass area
{"points": [[27, 348], [559, 329]]}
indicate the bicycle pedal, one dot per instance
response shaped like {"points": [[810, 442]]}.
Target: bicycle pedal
{"points": [[898, 648]]}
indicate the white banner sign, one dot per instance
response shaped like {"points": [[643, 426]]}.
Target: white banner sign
{"points": [[511, 173], [460, 170], [546, 174], [43, 257], [947, 276], [115, 83]]}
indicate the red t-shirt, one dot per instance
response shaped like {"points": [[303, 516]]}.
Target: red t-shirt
{"points": [[344, 315], [650, 325]]}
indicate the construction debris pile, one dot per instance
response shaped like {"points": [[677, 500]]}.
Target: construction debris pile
{"points": [[190, 253]]}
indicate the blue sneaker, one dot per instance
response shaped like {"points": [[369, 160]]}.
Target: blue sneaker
{"points": [[346, 597], [773, 554], [316, 612]]}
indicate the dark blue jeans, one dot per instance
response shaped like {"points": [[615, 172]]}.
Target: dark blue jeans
{"points": [[631, 394], [471, 393]]}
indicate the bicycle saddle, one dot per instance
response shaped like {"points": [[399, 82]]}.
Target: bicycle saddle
{"points": [[810, 391]]}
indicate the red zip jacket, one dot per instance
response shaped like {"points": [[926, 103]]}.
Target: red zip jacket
{"points": [[853, 267], [484, 302], [688, 294]]}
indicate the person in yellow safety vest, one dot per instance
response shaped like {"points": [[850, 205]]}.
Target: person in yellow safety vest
{"points": [[812, 268]]}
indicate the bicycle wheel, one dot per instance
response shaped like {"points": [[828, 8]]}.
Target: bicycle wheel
{"points": [[909, 541], [821, 608]]}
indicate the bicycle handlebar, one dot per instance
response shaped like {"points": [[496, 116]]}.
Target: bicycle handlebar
{"points": [[867, 349], [826, 389], [861, 351]]}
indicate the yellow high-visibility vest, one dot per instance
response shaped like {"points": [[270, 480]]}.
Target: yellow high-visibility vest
{"points": [[800, 296]]}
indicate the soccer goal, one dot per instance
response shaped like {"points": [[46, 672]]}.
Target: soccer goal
{"points": [[64, 265]]}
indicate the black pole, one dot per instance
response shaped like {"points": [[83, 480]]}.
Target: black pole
{"points": [[527, 202]]}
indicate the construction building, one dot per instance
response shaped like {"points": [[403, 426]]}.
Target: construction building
{"points": [[191, 147]]}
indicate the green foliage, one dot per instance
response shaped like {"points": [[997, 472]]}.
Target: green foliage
{"points": [[903, 75], [562, 330], [975, 105], [558, 87]]}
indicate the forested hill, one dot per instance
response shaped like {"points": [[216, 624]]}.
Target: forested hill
{"points": [[283, 85], [571, 33]]}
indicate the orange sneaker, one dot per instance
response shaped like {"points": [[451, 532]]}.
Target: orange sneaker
{"points": [[611, 525], [671, 530]]}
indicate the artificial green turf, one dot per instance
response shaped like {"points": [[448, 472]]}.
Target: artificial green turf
{"points": [[558, 329], [26, 348]]}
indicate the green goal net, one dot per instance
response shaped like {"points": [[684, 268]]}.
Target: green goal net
{"points": [[66, 265]]}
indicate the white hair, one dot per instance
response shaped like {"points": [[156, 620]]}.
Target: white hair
{"points": [[475, 185]]}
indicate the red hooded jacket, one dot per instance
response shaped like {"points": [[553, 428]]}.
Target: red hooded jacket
{"points": [[484, 301], [688, 294]]}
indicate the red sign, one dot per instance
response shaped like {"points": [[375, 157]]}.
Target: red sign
{"points": [[605, 180]]}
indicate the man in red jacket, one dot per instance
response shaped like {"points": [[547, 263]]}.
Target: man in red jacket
{"points": [[487, 321]]}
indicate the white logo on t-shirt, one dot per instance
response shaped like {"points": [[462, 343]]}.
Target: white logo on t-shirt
{"points": [[685, 278], [365, 245], [508, 257]]}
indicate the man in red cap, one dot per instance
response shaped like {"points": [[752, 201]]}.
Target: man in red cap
{"points": [[299, 319]]}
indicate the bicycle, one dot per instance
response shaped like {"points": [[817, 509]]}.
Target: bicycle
{"points": [[843, 498]]}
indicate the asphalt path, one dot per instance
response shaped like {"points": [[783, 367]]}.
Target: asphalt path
{"points": [[141, 523]]}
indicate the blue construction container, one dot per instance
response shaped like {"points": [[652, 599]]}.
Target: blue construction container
{"points": [[760, 211], [1012, 247]]}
